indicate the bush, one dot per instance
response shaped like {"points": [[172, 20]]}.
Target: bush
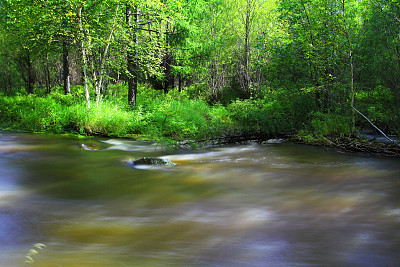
{"points": [[156, 116], [331, 125], [172, 116], [259, 117], [381, 107], [106, 119], [180, 119], [36, 114]]}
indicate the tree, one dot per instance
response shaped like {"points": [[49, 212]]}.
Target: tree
{"points": [[380, 44], [149, 24], [252, 19], [318, 37], [17, 22], [351, 62], [132, 59]]}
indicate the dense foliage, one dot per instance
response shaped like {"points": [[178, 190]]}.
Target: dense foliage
{"points": [[185, 69]]}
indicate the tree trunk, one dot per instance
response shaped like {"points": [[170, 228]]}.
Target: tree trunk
{"points": [[247, 50], [66, 78], [351, 68], [99, 85], [9, 83], [29, 83], [47, 74], [243, 70], [132, 65], [180, 82], [167, 61], [85, 76]]}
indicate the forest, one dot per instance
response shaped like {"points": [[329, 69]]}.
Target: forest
{"points": [[173, 70]]}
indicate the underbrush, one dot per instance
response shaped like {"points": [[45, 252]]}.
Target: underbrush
{"points": [[274, 115], [176, 116], [157, 117], [54, 114], [382, 107]]}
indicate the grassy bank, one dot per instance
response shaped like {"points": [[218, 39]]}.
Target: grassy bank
{"points": [[175, 117], [168, 118], [155, 118]]}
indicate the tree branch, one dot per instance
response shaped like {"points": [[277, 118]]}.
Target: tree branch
{"points": [[374, 125]]}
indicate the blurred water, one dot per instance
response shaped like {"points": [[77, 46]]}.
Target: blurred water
{"points": [[253, 205]]}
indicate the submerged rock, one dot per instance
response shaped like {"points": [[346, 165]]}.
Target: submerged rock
{"points": [[150, 161]]}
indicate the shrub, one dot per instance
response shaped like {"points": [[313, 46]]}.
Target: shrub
{"points": [[180, 119], [36, 114], [259, 117], [381, 107], [331, 124]]}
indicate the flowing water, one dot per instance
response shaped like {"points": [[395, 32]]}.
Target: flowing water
{"points": [[252, 205]]}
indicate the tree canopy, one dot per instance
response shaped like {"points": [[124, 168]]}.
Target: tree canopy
{"points": [[338, 54]]}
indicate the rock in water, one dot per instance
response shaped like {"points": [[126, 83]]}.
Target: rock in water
{"points": [[151, 162]]}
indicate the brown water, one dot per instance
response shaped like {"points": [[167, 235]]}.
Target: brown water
{"points": [[252, 205]]}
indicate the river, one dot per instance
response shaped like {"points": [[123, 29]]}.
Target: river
{"points": [[251, 205]]}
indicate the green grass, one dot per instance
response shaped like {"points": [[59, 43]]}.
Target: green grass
{"points": [[176, 116], [155, 117]]}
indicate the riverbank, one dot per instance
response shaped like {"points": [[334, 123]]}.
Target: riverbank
{"points": [[371, 146], [168, 119], [348, 145], [177, 121]]}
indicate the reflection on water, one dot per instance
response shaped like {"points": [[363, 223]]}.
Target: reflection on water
{"points": [[253, 205]]}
